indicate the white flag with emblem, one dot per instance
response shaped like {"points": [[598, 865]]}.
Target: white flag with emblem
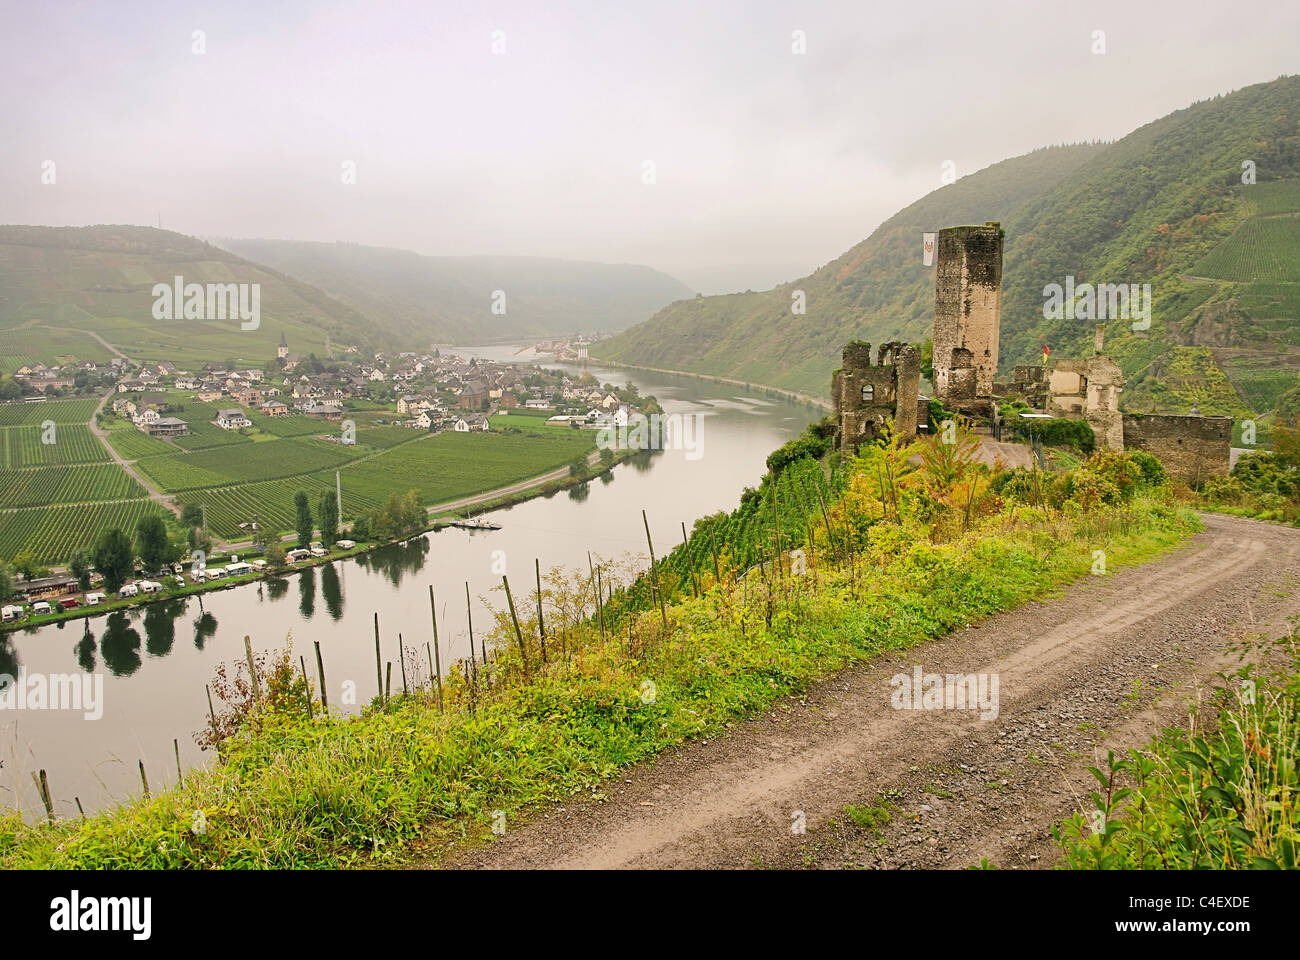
{"points": [[928, 247]]}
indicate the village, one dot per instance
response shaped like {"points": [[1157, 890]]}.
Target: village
{"points": [[366, 408], [431, 391]]}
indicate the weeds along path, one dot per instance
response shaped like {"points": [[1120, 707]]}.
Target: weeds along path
{"points": [[1104, 665]]}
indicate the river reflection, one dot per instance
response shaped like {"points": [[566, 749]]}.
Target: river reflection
{"points": [[156, 659]]}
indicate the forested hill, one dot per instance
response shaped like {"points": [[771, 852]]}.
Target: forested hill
{"points": [[416, 299], [1155, 206]]}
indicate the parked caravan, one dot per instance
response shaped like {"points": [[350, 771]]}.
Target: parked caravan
{"points": [[10, 612], [130, 590], [94, 599], [69, 603], [40, 607]]}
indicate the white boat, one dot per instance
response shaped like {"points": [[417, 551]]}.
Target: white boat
{"points": [[475, 523]]}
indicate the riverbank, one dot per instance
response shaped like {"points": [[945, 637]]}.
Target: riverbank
{"points": [[803, 399], [557, 711], [548, 483]]}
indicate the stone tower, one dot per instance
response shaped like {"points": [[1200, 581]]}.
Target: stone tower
{"points": [[967, 312], [282, 350]]}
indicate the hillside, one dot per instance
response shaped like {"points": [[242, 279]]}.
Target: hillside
{"points": [[62, 286], [1147, 208], [416, 298]]}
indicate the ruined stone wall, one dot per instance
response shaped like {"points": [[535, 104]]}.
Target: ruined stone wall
{"points": [[907, 377], [1193, 448], [867, 396], [967, 308]]}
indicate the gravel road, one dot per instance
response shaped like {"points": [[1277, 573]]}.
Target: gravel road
{"points": [[1103, 665]]}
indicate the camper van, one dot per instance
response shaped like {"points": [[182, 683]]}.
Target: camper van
{"points": [[40, 607], [69, 603], [149, 586], [94, 599], [11, 612], [130, 590]]}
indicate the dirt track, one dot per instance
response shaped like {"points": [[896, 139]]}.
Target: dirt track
{"points": [[1104, 665]]}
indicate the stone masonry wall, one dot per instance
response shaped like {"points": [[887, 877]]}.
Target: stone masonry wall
{"points": [[1193, 448]]}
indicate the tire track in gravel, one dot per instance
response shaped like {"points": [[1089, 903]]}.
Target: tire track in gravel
{"points": [[1104, 665]]}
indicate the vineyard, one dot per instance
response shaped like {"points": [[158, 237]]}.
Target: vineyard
{"points": [[443, 467], [78, 484], [254, 462], [60, 411], [53, 534], [1274, 197], [1261, 249], [131, 444], [72, 443]]}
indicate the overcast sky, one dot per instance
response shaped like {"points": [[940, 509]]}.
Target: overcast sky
{"points": [[767, 163]]}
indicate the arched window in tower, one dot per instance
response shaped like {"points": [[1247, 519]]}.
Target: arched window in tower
{"points": [[868, 393]]}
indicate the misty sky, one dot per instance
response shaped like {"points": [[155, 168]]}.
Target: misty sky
{"points": [[768, 163]]}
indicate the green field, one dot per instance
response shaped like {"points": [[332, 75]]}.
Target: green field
{"points": [[77, 484], [53, 496], [53, 534], [60, 411], [1262, 249], [444, 467], [1274, 197], [26, 446], [281, 457], [131, 444]]}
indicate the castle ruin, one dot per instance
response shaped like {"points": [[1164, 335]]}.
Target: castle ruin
{"points": [[868, 396], [967, 328], [967, 313]]}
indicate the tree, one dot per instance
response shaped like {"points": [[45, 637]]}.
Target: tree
{"points": [[151, 542], [275, 554], [113, 558], [25, 563], [192, 515], [6, 581], [327, 512], [79, 567], [303, 522]]}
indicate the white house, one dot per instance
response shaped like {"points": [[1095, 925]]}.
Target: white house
{"points": [[232, 419]]}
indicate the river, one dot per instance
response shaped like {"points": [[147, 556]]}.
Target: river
{"points": [[154, 661]]}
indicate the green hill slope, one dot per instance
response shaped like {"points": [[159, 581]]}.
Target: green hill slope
{"points": [[1145, 209], [416, 298], [60, 285]]}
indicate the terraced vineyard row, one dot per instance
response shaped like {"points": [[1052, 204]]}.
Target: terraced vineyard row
{"points": [[54, 534], [254, 462], [76, 484], [1261, 249], [443, 467], [1275, 196], [73, 443], [271, 503], [131, 444], [60, 411]]}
